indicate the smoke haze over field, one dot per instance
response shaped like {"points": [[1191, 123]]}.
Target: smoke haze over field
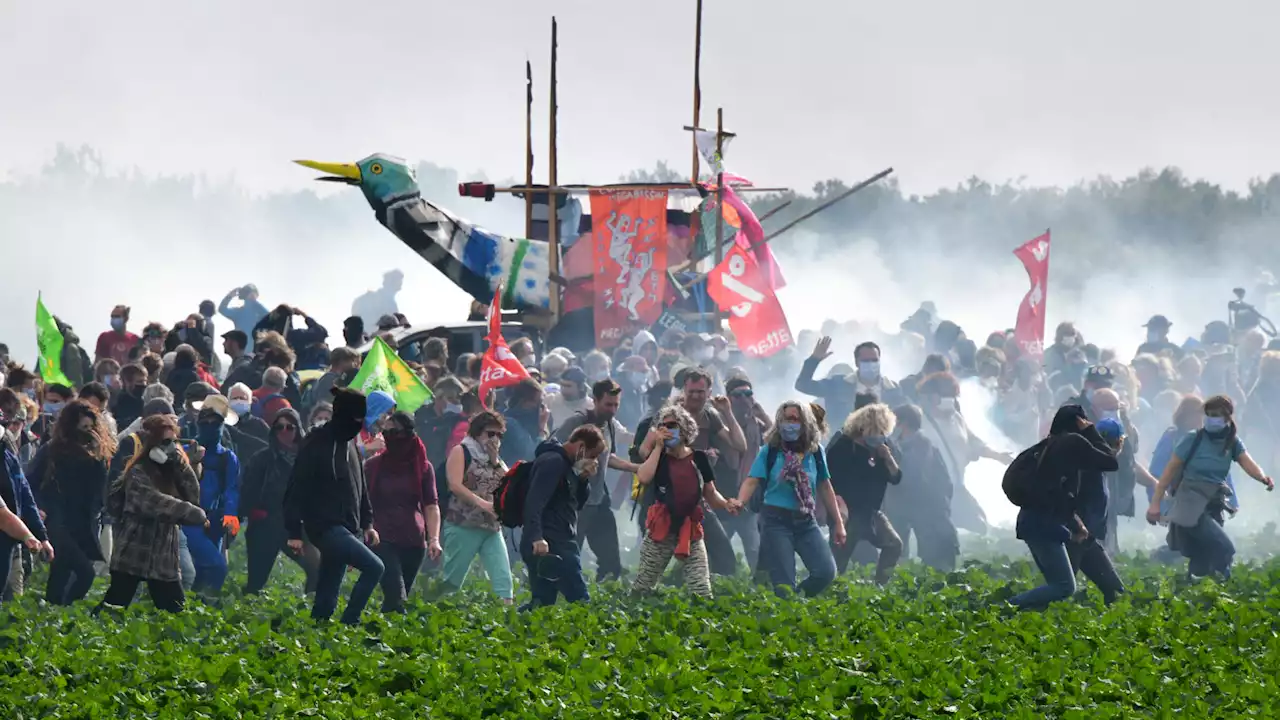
{"points": [[194, 113]]}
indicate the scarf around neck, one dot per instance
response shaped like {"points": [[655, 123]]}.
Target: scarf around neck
{"points": [[793, 472]]}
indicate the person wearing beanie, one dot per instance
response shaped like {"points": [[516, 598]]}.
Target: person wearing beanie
{"points": [[328, 500], [379, 406]]}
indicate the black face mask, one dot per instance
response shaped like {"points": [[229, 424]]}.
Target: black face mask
{"points": [[346, 428]]}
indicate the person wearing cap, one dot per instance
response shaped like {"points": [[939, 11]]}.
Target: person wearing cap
{"points": [[116, 342], [219, 495], [246, 315], [1158, 339]]}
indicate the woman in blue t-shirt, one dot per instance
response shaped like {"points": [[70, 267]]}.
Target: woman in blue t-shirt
{"points": [[793, 470], [1196, 476]]}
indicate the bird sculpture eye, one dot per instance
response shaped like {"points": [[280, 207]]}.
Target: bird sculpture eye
{"points": [[376, 169]]}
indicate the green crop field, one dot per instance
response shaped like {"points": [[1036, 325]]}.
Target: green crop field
{"points": [[930, 645]]}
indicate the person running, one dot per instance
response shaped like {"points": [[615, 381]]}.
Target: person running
{"points": [[1052, 518], [679, 479], [406, 509], [475, 469], [70, 477], [791, 474], [1196, 476], [863, 466], [153, 497], [219, 495], [266, 479], [328, 497]]}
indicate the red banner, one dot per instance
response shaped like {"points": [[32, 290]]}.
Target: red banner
{"points": [[499, 367], [741, 289], [629, 232], [1029, 331]]}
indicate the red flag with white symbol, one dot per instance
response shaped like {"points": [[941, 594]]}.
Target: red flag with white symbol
{"points": [[741, 289], [1029, 330], [499, 368]]}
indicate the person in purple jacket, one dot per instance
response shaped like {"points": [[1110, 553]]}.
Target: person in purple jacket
{"points": [[406, 509]]}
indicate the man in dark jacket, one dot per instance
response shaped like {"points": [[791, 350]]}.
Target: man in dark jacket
{"points": [[328, 498], [15, 494], [920, 504], [558, 488], [305, 341]]}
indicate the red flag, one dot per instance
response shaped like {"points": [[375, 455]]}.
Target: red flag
{"points": [[751, 239], [742, 289], [1029, 331], [629, 241], [499, 368]]}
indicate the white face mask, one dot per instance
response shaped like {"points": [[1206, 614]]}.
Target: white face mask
{"points": [[159, 456], [704, 354]]}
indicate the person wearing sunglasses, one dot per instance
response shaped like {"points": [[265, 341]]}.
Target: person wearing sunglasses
{"points": [[679, 479], [734, 467], [474, 470], [266, 478], [406, 508]]}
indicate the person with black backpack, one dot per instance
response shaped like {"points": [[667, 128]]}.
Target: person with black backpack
{"points": [[787, 481], [1045, 483], [678, 478], [557, 488]]}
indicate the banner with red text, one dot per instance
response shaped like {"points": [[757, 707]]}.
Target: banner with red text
{"points": [[500, 367], [1029, 330], [629, 229], [742, 289]]}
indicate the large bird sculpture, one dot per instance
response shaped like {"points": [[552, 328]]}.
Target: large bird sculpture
{"points": [[475, 259]]}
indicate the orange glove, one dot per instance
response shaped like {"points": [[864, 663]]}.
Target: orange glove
{"points": [[232, 523]]}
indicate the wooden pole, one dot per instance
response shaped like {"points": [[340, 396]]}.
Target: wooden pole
{"points": [[719, 184], [553, 229], [528, 148], [697, 87]]}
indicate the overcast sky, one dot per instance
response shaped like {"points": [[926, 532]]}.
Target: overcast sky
{"points": [[940, 90]]}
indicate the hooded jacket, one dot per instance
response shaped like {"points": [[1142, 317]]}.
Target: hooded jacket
{"points": [[402, 484], [555, 496], [1078, 458], [266, 477], [328, 487]]}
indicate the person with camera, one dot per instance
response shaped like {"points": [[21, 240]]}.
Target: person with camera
{"points": [[247, 314]]}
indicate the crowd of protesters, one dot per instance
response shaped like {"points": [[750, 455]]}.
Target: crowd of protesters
{"points": [[160, 452]]}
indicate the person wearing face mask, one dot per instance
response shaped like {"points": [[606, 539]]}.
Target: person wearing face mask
{"points": [[328, 498], [559, 485], [69, 477], [1101, 402], [155, 495], [56, 397], [644, 345], [266, 478], [791, 472], [597, 366], [1196, 477], [1158, 339], [947, 429], [442, 424], [406, 511], [679, 480], [475, 470], [320, 414], [838, 390], [695, 352], [527, 419], [1065, 339], [219, 495], [250, 434], [596, 522], [107, 372], [552, 366], [115, 342], [863, 466], [733, 467]]}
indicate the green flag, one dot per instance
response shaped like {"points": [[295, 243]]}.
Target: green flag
{"points": [[383, 370], [49, 340]]}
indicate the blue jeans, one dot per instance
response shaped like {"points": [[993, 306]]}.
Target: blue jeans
{"points": [[206, 556], [1209, 548], [338, 550], [785, 534], [1059, 577], [549, 578], [186, 566]]}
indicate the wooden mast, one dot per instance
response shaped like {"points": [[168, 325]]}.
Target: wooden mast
{"points": [[553, 223]]}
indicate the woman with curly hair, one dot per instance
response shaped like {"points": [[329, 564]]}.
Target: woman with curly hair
{"points": [[678, 478], [69, 475], [791, 472], [863, 466], [153, 496]]}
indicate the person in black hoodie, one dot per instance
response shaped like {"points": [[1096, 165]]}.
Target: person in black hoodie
{"points": [[183, 373], [328, 498], [128, 405], [262, 493], [69, 476], [558, 488], [1051, 520]]}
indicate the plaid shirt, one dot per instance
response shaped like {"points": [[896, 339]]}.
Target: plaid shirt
{"points": [[146, 540]]}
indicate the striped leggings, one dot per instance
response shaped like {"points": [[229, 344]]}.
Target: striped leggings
{"points": [[654, 557]]}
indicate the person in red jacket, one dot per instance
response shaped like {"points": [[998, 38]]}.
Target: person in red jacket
{"points": [[406, 509], [116, 342]]}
